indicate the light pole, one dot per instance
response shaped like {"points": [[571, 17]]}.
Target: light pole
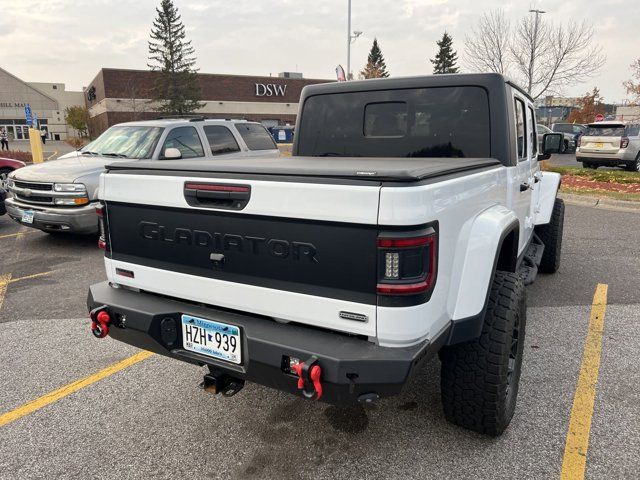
{"points": [[534, 47], [350, 39]]}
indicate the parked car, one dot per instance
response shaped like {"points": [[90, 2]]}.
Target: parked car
{"points": [[571, 132], [8, 165], [336, 278], [612, 144], [542, 130], [61, 195]]}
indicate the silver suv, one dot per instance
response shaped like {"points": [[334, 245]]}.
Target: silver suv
{"points": [[611, 144], [61, 195]]}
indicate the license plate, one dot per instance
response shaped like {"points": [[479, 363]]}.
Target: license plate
{"points": [[27, 216], [599, 145], [213, 339]]}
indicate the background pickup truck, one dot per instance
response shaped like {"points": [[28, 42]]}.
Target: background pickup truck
{"points": [[406, 224], [61, 196]]}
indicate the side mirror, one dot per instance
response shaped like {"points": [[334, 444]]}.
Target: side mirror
{"points": [[172, 153], [551, 143]]}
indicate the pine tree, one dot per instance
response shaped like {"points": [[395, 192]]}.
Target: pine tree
{"points": [[445, 61], [176, 88], [375, 68]]}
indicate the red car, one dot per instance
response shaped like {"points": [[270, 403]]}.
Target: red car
{"points": [[7, 165]]}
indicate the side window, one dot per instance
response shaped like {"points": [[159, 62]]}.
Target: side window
{"points": [[521, 131], [531, 127], [256, 136], [221, 140], [633, 130], [185, 139]]}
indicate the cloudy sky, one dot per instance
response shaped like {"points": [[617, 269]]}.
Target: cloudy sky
{"points": [[70, 40]]}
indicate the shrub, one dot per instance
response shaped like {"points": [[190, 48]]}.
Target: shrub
{"points": [[77, 142], [17, 155]]}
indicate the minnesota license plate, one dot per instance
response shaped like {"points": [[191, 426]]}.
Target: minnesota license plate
{"points": [[599, 145], [27, 216], [213, 339]]}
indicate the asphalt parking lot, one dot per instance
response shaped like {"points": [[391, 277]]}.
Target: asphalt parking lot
{"points": [[149, 419]]}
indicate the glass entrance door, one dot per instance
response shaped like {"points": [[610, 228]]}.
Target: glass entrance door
{"points": [[11, 134], [22, 132]]}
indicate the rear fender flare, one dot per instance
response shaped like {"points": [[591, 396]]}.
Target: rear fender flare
{"points": [[548, 185], [484, 244]]}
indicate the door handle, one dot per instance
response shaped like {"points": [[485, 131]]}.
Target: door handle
{"points": [[524, 187], [537, 177], [215, 195]]}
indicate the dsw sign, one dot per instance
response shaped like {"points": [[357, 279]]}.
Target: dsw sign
{"points": [[270, 90]]}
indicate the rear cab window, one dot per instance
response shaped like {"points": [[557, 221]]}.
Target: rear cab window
{"points": [[221, 140], [185, 139], [416, 122], [256, 136]]}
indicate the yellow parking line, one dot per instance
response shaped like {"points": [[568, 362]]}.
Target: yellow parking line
{"points": [[52, 155], [56, 395], [29, 277], [5, 279], [19, 234], [575, 450]]}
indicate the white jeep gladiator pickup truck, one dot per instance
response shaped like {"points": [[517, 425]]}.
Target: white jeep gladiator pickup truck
{"points": [[406, 224]]}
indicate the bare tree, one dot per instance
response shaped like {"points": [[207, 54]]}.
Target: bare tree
{"points": [[548, 58], [487, 46], [542, 57], [135, 105], [633, 85]]}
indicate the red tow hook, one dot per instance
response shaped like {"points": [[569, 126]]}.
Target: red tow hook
{"points": [[100, 320], [309, 373]]}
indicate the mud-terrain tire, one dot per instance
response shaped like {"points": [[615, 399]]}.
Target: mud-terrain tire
{"points": [[480, 378], [551, 236]]}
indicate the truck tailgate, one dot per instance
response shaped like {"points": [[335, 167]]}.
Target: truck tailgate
{"points": [[278, 256]]}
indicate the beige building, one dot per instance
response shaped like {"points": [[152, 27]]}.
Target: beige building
{"points": [[629, 113], [47, 101], [551, 101]]}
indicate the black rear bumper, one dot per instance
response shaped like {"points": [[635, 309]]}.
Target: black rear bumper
{"points": [[351, 367]]}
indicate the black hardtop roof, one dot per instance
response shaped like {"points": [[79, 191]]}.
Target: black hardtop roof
{"points": [[487, 80], [361, 168]]}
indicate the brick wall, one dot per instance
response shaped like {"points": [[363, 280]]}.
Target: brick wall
{"points": [[112, 83]]}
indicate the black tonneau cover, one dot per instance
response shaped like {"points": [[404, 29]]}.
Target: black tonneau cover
{"points": [[372, 168]]}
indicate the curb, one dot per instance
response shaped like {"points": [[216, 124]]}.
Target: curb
{"points": [[600, 202]]}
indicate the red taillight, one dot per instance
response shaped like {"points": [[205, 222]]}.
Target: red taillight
{"points": [[407, 265], [102, 240], [404, 242], [624, 142]]}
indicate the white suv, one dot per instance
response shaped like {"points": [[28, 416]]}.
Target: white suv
{"points": [[610, 144]]}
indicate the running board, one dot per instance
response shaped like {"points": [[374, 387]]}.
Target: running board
{"points": [[528, 269]]}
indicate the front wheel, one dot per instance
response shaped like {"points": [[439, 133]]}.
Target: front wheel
{"points": [[480, 378]]}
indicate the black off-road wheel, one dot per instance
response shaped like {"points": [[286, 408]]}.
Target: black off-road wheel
{"points": [[551, 236], [480, 378]]}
